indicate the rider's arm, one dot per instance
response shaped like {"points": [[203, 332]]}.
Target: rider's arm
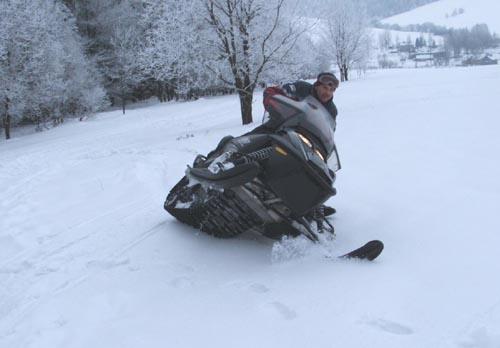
{"points": [[297, 90]]}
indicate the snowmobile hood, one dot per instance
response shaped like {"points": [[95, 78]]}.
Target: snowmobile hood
{"points": [[308, 115]]}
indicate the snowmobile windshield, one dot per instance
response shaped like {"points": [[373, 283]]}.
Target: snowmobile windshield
{"points": [[309, 116]]}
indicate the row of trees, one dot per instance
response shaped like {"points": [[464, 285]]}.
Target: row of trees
{"points": [[71, 57], [385, 41], [474, 40], [426, 27], [466, 40]]}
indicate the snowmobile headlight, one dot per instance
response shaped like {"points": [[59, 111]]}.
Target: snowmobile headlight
{"points": [[317, 152], [305, 140], [310, 145]]}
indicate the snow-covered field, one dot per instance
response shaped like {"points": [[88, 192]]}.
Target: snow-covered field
{"points": [[88, 257], [441, 13]]}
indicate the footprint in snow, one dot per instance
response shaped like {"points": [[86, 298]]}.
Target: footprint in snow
{"points": [[285, 311], [481, 338], [107, 264], [181, 268], [280, 309], [15, 269], [258, 288], [250, 286], [181, 283], [46, 270], [390, 327], [187, 136]]}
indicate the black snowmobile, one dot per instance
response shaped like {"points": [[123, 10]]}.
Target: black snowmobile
{"points": [[271, 184]]}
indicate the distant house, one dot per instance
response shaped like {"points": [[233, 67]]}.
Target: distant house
{"points": [[479, 61], [408, 48], [441, 58], [440, 55], [424, 57]]}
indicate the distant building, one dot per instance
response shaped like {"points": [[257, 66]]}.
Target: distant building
{"points": [[408, 48], [441, 58], [424, 57], [479, 61]]}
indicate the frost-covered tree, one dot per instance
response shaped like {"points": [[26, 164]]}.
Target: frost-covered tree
{"points": [[345, 35], [385, 39], [119, 39], [14, 42], [481, 37], [250, 35], [302, 62], [113, 36], [44, 73], [474, 40], [176, 46]]}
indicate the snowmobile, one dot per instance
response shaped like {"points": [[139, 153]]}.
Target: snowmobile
{"points": [[270, 184]]}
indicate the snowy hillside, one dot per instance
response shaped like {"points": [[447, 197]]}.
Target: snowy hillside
{"points": [[88, 257], [453, 14]]}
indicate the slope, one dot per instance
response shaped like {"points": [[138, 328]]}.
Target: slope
{"points": [[442, 13]]}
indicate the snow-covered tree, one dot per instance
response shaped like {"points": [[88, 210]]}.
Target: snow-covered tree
{"points": [[119, 40], [250, 36], [302, 62], [176, 48], [14, 42], [44, 73], [345, 36]]}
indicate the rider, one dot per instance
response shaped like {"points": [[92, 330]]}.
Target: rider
{"points": [[322, 89]]}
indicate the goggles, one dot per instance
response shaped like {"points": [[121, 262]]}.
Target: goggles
{"points": [[329, 80]]}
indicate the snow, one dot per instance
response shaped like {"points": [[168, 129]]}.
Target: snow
{"points": [[440, 13], [88, 257]]}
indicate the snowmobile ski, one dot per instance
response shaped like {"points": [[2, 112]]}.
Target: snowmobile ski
{"points": [[370, 251]]}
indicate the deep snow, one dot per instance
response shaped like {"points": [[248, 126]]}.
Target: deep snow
{"points": [[88, 257]]}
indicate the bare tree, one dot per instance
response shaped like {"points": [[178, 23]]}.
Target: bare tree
{"points": [[250, 35], [385, 39], [345, 35]]}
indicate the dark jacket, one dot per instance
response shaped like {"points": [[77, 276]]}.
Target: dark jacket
{"points": [[297, 90], [302, 89]]}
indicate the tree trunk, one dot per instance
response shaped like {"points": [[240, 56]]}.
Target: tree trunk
{"points": [[159, 91], [123, 104], [246, 98], [346, 69], [6, 119], [341, 69]]}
